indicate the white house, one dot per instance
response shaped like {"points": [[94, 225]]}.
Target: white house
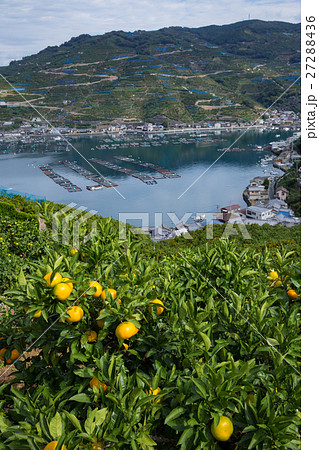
{"points": [[257, 194], [259, 212]]}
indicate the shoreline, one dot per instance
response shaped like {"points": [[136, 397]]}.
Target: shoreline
{"points": [[199, 131]]}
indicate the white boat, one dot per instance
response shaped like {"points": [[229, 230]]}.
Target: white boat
{"points": [[94, 188], [200, 218]]}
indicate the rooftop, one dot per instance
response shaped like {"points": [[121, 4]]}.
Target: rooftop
{"points": [[230, 208], [283, 189], [258, 208], [256, 188], [276, 203]]}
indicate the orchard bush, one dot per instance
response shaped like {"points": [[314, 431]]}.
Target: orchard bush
{"points": [[21, 242], [227, 343]]}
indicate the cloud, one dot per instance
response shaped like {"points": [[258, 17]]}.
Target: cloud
{"points": [[28, 26]]}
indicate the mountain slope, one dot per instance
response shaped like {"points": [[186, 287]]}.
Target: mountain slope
{"points": [[185, 74]]}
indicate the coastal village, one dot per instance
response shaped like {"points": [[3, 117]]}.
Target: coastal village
{"points": [[38, 127], [266, 201]]}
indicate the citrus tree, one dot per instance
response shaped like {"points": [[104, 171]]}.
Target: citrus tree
{"points": [[121, 350]]}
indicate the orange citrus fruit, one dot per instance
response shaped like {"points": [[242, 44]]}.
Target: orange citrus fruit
{"points": [[125, 330], [68, 283], [73, 251], [14, 355], [37, 314], [52, 445], [125, 346], [292, 294], [155, 392], [75, 314], [2, 352], [98, 445], [62, 291], [159, 309], [113, 293], [95, 445], [92, 335], [56, 279], [278, 283], [97, 383], [224, 429], [274, 275], [98, 288], [100, 323]]}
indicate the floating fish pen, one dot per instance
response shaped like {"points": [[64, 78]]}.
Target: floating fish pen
{"points": [[145, 178], [166, 173], [102, 147], [58, 179], [231, 149], [89, 175]]}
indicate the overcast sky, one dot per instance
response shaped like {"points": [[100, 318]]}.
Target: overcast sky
{"points": [[28, 26]]}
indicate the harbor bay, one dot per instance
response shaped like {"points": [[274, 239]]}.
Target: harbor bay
{"points": [[221, 176]]}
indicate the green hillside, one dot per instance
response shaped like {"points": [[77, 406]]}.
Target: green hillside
{"points": [[185, 74]]}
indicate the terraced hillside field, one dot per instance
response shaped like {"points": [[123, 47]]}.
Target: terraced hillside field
{"points": [[186, 74]]}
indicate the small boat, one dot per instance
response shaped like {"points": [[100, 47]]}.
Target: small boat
{"points": [[94, 188], [200, 218]]}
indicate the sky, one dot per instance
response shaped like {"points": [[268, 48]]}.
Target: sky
{"points": [[28, 26]]}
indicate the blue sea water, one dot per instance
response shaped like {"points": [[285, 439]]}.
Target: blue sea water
{"points": [[208, 180]]}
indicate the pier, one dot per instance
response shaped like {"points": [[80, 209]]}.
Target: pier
{"points": [[58, 179], [145, 178], [89, 175], [166, 173]]}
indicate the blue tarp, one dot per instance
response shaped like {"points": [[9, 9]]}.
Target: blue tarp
{"points": [[10, 193]]}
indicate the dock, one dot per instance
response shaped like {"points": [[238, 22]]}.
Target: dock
{"points": [[89, 175], [145, 178], [166, 173], [58, 179]]}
